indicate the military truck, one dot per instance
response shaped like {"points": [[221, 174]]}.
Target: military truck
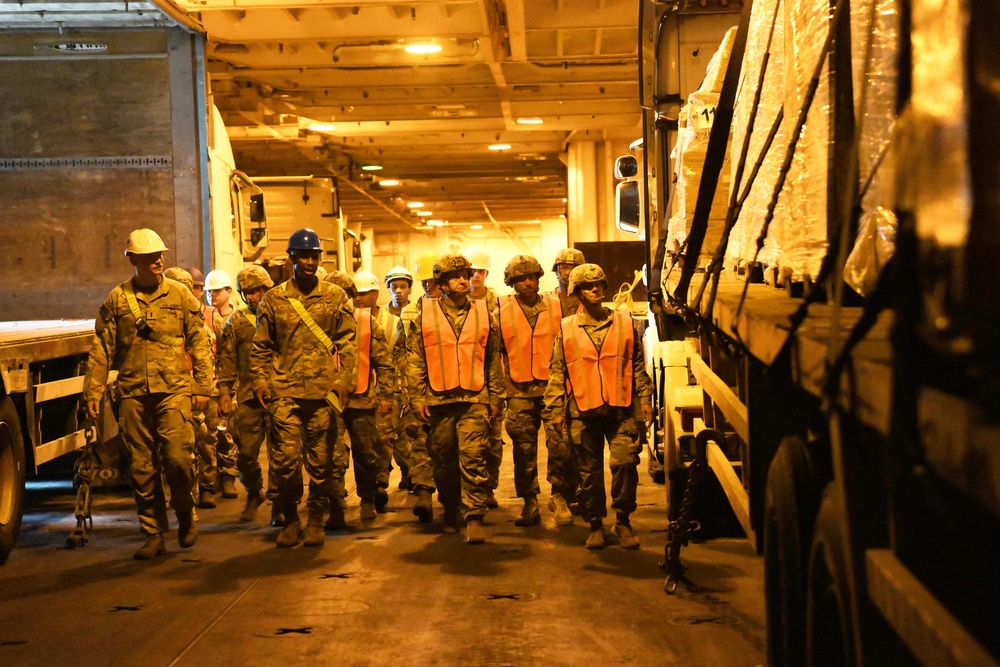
{"points": [[819, 191]]}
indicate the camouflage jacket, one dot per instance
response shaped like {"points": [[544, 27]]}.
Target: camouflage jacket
{"points": [[492, 301], [235, 346], [153, 360], [420, 393], [555, 392], [287, 355], [570, 302]]}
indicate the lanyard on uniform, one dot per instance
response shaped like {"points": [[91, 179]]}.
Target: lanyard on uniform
{"points": [[251, 318], [140, 322], [309, 321]]}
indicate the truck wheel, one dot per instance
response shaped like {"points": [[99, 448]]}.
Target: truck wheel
{"points": [[790, 503], [829, 617], [11, 477]]}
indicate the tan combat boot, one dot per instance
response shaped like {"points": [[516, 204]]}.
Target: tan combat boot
{"points": [[529, 515], [290, 535], [450, 520], [228, 484], [491, 500], [626, 536], [596, 538], [337, 521], [206, 499], [424, 508], [474, 531], [187, 529], [559, 506], [153, 547], [314, 536], [367, 510], [254, 501]]}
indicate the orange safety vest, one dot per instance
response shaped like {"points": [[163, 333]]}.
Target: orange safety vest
{"points": [[529, 349], [599, 377], [455, 360], [363, 316], [389, 323], [208, 314]]}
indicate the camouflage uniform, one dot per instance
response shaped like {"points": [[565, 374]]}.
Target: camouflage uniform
{"points": [[494, 457], [156, 387], [207, 422], [391, 442], [250, 420], [289, 358], [359, 419], [421, 465], [589, 430], [459, 419], [561, 470]]}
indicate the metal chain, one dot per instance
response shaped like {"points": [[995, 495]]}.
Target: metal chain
{"points": [[679, 531]]}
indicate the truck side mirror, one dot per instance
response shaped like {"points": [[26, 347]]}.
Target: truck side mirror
{"points": [[626, 167], [257, 213], [627, 206]]}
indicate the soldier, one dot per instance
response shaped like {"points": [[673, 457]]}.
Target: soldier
{"points": [[375, 388], [421, 466], [528, 326], [198, 280], [566, 260], [207, 421], [388, 445], [143, 330], [480, 260], [338, 436], [399, 282], [220, 293], [301, 325], [250, 420], [597, 363], [456, 385], [181, 276]]}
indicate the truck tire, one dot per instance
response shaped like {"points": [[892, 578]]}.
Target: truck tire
{"points": [[791, 498], [11, 477], [829, 615]]}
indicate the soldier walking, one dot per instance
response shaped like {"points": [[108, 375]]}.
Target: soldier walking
{"points": [[301, 325], [456, 385], [399, 282], [143, 330], [597, 370]]}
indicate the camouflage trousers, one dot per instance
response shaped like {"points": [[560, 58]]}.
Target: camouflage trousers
{"points": [[458, 445], [421, 465], [494, 455], [300, 436], [216, 450], [561, 469], [391, 443], [360, 427], [158, 431], [249, 424], [589, 435], [524, 419]]}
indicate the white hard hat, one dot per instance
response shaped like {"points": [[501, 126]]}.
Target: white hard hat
{"points": [[217, 279], [365, 281], [480, 259], [398, 273], [144, 242]]}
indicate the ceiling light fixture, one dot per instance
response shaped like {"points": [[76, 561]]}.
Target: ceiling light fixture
{"points": [[529, 121], [436, 223], [372, 167], [388, 182], [475, 226], [499, 147], [423, 48], [415, 204], [424, 214], [322, 127]]}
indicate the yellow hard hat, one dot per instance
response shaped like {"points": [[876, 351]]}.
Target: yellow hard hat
{"points": [[144, 242], [480, 259], [424, 268]]}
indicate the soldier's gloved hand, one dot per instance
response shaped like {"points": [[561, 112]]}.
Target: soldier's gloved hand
{"points": [[225, 403], [93, 409], [647, 413], [199, 403], [422, 413], [384, 407], [263, 395]]}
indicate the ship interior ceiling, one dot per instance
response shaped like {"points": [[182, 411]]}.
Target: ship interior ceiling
{"points": [[418, 90]]}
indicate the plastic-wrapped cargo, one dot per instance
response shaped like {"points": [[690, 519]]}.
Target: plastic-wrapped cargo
{"points": [[875, 47], [743, 238], [694, 127], [801, 236]]}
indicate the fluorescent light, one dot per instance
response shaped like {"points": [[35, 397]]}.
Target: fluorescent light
{"points": [[388, 182], [371, 167], [475, 226], [423, 47], [565, 200], [415, 204], [424, 214], [529, 121], [322, 127], [562, 215], [499, 147], [436, 223]]}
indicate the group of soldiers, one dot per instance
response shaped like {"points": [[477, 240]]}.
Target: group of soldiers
{"points": [[426, 383]]}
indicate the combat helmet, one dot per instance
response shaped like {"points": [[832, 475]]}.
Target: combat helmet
{"points": [[521, 265], [568, 256], [180, 275], [341, 280], [451, 263], [586, 273], [253, 277]]}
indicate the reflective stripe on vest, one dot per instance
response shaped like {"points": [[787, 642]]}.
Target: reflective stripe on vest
{"points": [[408, 315], [363, 316], [455, 361], [599, 377], [388, 322], [529, 349]]}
